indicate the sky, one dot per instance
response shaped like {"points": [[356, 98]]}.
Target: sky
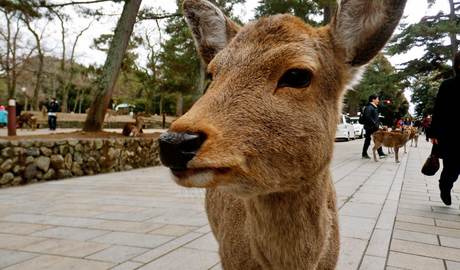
{"points": [[87, 54]]}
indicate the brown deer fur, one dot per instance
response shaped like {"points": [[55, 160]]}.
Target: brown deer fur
{"points": [[414, 134], [134, 128], [394, 140], [27, 119], [270, 199]]}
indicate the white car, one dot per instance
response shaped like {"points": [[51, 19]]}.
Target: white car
{"points": [[345, 129], [359, 128]]}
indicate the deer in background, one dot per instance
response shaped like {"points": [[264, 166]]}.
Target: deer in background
{"points": [[260, 140], [134, 129], [391, 139]]}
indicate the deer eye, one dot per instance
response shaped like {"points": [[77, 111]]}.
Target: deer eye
{"points": [[295, 78]]}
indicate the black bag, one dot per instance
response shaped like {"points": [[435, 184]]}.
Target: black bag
{"points": [[431, 165]]}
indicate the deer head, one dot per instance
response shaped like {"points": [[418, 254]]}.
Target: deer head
{"points": [[268, 119]]}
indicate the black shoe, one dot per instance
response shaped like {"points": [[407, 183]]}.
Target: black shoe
{"points": [[383, 155], [445, 196], [366, 157]]}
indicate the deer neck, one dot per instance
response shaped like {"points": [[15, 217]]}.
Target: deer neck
{"points": [[283, 227]]}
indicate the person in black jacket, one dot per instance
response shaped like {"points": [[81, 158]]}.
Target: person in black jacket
{"points": [[444, 131], [371, 124], [53, 108]]}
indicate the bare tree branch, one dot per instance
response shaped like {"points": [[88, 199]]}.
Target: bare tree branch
{"points": [[49, 5]]}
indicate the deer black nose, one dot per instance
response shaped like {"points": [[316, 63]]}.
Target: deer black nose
{"points": [[178, 148]]}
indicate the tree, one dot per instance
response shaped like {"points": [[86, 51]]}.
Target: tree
{"points": [[439, 36], [103, 93], [308, 10], [425, 88], [379, 78], [182, 72], [38, 39]]}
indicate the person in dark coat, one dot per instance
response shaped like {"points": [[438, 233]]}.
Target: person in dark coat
{"points": [[371, 124], [444, 131], [53, 108]]}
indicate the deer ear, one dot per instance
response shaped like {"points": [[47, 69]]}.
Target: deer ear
{"points": [[362, 27], [211, 29]]}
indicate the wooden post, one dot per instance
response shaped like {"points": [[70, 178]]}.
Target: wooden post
{"points": [[12, 117]]}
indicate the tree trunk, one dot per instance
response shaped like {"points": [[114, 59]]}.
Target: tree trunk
{"points": [[328, 11], [38, 81], [179, 104], [106, 82], [62, 66], [161, 109], [453, 34]]}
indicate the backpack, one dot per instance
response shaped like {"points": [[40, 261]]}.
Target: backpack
{"points": [[361, 119]]}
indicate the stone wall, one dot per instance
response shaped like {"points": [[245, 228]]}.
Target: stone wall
{"points": [[23, 162]]}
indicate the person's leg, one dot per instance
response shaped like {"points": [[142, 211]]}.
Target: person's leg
{"points": [[380, 151], [50, 124], [449, 174], [367, 142], [55, 122]]}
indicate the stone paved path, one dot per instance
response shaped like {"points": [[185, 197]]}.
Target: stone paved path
{"points": [[391, 217]]}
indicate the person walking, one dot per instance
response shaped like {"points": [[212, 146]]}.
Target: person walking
{"points": [[53, 108], [444, 131], [426, 126], [371, 124], [3, 116]]}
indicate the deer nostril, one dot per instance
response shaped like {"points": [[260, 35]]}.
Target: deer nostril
{"points": [[178, 148]]}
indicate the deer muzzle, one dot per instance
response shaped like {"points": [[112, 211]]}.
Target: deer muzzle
{"points": [[178, 148]]}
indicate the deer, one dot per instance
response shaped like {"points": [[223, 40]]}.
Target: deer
{"points": [[415, 133], [391, 139], [260, 139], [27, 119], [134, 129]]}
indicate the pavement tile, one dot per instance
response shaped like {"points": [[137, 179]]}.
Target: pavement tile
{"points": [[415, 219], [452, 265], [47, 262], [70, 233], [356, 227], [117, 254], [51, 220], [351, 252], [63, 247], [217, 267], [379, 243], [448, 224], [413, 262], [427, 229], [10, 257], [126, 226], [127, 266], [176, 260], [206, 242], [174, 230], [166, 248], [372, 263], [21, 228], [10, 241], [450, 241], [133, 239], [361, 210], [416, 237], [425, 250]]}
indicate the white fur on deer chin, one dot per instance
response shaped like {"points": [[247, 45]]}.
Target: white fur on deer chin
{"points": [[196, 179]]}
